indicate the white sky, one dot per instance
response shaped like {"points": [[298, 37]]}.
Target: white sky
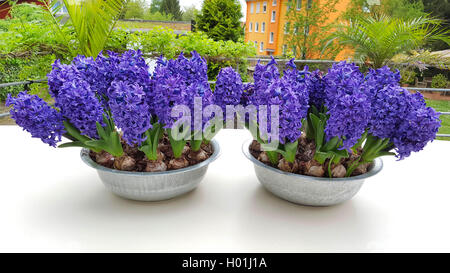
{"points": [[198, 5]]}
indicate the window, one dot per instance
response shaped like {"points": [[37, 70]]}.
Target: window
{"points": [[256, 44], [257, 7], [288, 6], [250, 27], [251, 8], [306, 29], [271, 38], [286, 28], [299, 4], [256, 27], [294, 51], [273, 16], [309, 4], [284, 49], [274, 2], [265, 7], [296, 30], [261, 47], [263, 26]]}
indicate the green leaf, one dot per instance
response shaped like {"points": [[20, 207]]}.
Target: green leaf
{"points": [[331, 144], [74, 132], [74, 144]]}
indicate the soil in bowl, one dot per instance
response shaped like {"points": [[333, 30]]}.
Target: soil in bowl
{"points": [[135, 161], [304, 161]]}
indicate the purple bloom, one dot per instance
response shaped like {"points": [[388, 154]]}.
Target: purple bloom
{"points": [[264, 75], [293, 107], [342, 78], [316, 86], [80, 106], [389, 107], [349, 116], [228, 89], [37, 117], [130, 111], [247, 92], [198, 90], [417, 129], [376, 80], [60, 73]]}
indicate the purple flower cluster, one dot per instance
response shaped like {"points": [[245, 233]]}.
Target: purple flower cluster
{"points": [[229, 88], [404, 118], [419, 127], [80, 106], [316, 87], [130, 111], [179, 82], [342, 78], [264, 75], [348, 106], [37, 117], [377, 79], [349, 116], [286, 93]]}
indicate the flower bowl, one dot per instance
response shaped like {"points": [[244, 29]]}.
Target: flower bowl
{"points": [[152, 186], [309, 190]]}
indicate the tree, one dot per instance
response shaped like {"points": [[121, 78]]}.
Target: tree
{"points": [[438, 9], [135, 9], [155, 6], [220, 19], [406, 9], [190, 12], [171, 7], [377, 39], [308, 27]]}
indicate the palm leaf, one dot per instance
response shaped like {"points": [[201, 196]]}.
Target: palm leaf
{"points": [[379, 38]]}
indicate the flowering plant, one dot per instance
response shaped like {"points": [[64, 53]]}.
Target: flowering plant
{"points": [[113, 106], [347, 118]]}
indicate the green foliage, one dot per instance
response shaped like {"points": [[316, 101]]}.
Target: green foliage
{"points": [[158, 16], [171, 7], [21, 69], [190, 13], [31, 31], [405, 9], [439, 81], [220, 19], [308, 29], [155, 6], [438, 9], [407, 76], [135, 9], [377, 39]]}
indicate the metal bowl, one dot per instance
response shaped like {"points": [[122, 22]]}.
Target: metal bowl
{"points": [[152, 186], [309, 190]]}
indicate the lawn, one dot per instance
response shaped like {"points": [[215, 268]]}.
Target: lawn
{"points": [[442, 106]]}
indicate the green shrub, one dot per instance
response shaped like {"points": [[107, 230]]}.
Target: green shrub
{"points": [[439, 81], [21, 69], [407, 76]]}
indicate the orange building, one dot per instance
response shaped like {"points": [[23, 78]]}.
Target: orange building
{"points": [[266, 21]]}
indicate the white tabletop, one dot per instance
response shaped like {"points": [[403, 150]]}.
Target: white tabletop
{"points": [[51, 201]]}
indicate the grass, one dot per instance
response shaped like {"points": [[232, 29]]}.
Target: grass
{"points": [[442, 106]]}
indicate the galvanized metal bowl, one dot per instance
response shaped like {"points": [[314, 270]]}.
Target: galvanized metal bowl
{"points": [[309, 190], [152, 186]]}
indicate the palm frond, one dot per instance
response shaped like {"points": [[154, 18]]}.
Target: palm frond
{"points": [[381, 37]]}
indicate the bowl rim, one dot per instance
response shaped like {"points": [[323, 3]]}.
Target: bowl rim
{"points": [[84, 154], [375, 168]]}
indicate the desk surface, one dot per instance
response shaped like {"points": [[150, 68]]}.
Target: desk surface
{"points": [[51, 201]]}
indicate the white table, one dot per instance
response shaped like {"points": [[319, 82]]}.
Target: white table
{"points": [[51, 201]]}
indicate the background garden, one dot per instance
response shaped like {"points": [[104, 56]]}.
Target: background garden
{"points": [[33, 36]]}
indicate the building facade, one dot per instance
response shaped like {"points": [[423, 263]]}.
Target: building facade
{"points": [[266, 21]]}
